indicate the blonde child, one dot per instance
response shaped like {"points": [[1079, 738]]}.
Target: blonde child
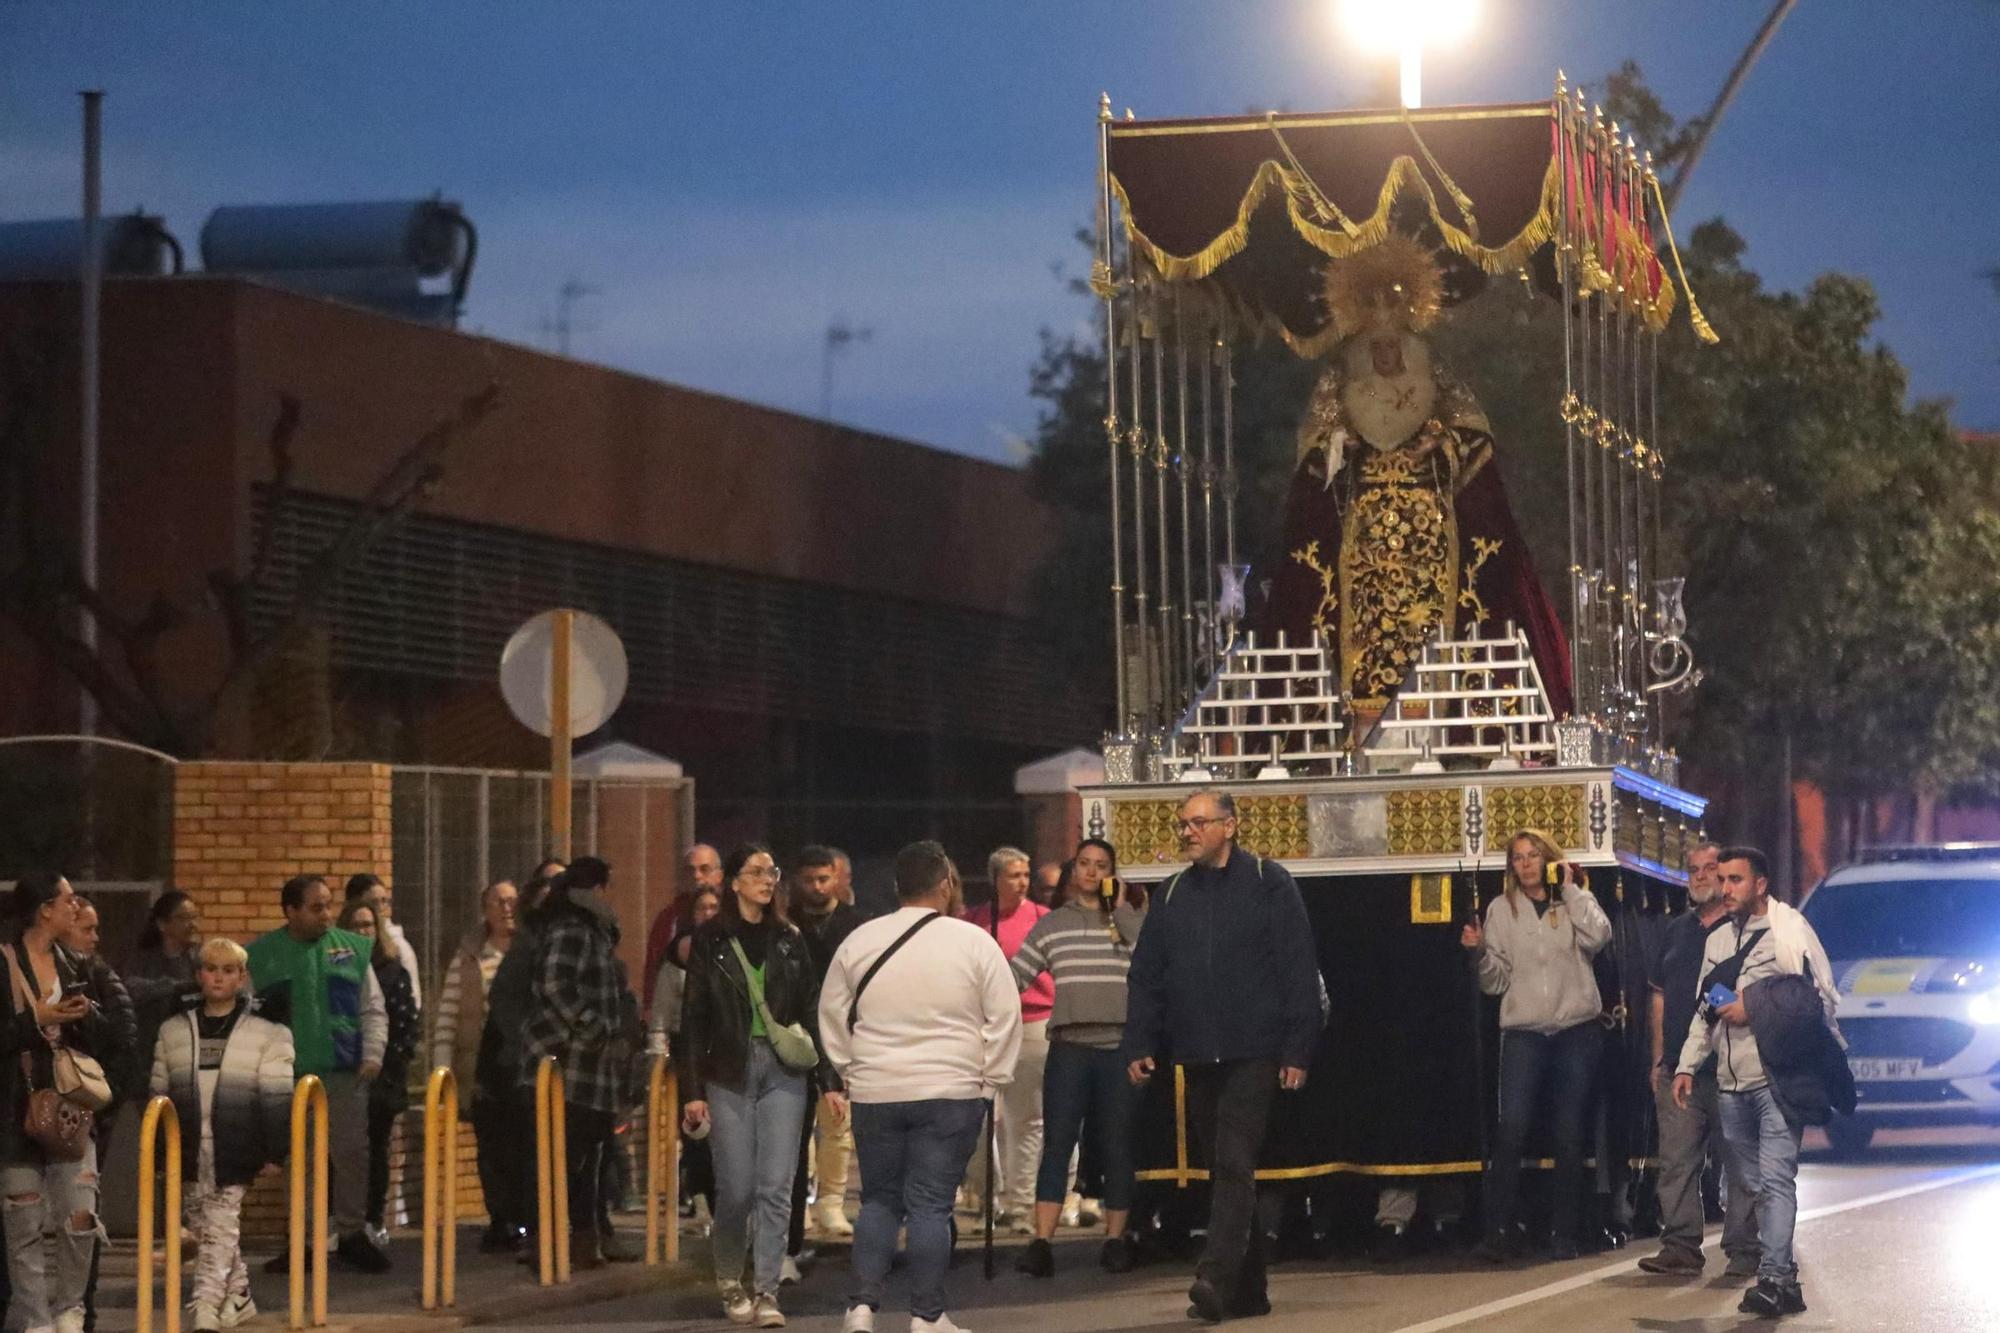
{"points": [[229, 1074]]}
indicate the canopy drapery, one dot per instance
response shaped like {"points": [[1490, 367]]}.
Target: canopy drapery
{"points": [[1259, 204]]}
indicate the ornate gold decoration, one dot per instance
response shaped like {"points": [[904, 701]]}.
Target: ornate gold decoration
{"points": [[1395, 285], [1468, 592], [1325, 616], [1426, 822], [1430, 900], [1143, 832], [1557, 810], [1398, 573], [1273, 826]]}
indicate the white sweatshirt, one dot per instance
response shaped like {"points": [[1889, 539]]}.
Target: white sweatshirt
{"points": [[940, 1021]]}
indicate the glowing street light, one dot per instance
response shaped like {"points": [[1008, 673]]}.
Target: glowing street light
{"points": [[1405, 27]]}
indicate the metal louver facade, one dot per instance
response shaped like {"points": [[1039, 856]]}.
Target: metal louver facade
{"points": [[437, 597]]}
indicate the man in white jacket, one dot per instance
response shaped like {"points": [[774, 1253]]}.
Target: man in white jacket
{"points": [[1765, 939], [920, 1015]]}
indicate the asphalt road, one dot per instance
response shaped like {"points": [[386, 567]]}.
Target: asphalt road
{"points": [[1908, 1237]]}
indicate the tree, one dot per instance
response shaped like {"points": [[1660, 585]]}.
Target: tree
{"points": [[42, 590]]}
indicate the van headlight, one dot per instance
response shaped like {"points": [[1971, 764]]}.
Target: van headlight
{"points": [[1984, 1008]]}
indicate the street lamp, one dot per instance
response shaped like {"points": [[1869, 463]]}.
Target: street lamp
{"points": [[1404, 27]]}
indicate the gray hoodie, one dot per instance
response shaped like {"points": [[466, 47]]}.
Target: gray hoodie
{"points": [[1539, 964]]}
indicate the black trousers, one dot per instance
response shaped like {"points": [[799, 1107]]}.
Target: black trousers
{"points": [[1537, 1068], [589, 1132], [496, 1129], [1228, 1106], [381, 1128]]}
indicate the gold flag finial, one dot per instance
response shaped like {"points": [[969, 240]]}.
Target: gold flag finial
{"points": [[1104, 106]]}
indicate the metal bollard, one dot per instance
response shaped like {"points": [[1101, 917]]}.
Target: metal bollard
{"points": [[663, 1160], [309, 1104], [441, 1196], [159, 1118], [552, 1172]]}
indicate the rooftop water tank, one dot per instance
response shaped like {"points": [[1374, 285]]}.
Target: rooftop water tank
{"points": [[379, 255], [134, 245]]}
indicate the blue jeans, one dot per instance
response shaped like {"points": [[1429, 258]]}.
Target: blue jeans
{"points": [[754, 1143], [912, 1155], [1562, 1063], [1765, 1148], [1085, 1087]]}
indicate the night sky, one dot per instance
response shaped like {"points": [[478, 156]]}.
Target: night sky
{"points": [[735, 176]]}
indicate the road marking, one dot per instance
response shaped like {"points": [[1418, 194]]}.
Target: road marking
{"points": [[1595, 1275]]}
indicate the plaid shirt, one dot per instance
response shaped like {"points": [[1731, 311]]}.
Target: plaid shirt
{"points": [[576, 1010]]}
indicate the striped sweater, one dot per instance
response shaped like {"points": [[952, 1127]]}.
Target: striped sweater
{"points": [[1088, 957]]}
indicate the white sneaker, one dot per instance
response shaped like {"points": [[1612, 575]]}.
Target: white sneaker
{"points": [[203, 1318], [1089, 1213], [788, 1272], [736, 1306], [833, 1222], [941, 1324], [767, 1312], [860, 1319], [1071, 1218], [70, 1320], [237, 1309]]}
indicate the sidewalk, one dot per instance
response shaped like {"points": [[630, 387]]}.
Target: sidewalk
{"points": [[491, 1289]]}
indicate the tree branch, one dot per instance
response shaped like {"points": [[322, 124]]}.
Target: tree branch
{"points": [[1706, 125]]}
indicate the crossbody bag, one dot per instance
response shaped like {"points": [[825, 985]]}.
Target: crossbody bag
{"points": [[58, 1118], [792, 1043]]}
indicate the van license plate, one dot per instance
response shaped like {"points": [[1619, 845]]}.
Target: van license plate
{"points": [[1876, 1070]]}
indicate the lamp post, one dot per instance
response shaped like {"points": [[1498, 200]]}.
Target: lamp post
{"points": [[1405, 27]]}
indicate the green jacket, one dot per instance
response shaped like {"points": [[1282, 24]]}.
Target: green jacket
{"points": [[326, 993]]}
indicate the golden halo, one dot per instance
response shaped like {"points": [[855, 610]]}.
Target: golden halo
{"points": [[1396, 281]]}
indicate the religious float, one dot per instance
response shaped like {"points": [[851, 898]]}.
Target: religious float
{"points": [[1391, 693]]}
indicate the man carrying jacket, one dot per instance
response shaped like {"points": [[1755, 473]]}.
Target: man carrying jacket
{"points": [[1764, 939], [1224, 983]]}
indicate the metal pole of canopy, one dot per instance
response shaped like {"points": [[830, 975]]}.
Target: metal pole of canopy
{"points": [[1225, 353], [1108, 292], [1169, 683], [1208, 346], [1185, 641], [1136, 446], [1566, 282]]}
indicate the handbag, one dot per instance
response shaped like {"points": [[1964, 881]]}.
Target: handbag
{"points": [[59, 1125], [793, 1044]]}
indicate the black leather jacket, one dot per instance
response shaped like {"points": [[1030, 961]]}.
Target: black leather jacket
{"points": [[714, 1041]]}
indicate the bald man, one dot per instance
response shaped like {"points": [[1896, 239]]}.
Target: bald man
{"points": [[701, 868]]}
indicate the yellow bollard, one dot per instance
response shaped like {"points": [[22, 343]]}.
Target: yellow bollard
{"points": [[663, 1160], [441, 1196], [159, 1118], [309, 1104], [552, 1172]]}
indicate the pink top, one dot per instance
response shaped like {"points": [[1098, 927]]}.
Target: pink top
{"points": [[1039, 1000]]}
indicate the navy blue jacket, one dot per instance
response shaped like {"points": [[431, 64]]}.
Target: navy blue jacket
{"points": [[1225, 969]]}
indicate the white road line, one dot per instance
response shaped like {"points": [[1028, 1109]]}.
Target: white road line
{"points": [[1595, 1275]]}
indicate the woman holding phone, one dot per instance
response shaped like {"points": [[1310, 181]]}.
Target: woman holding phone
{"points": [[1534, 952]]}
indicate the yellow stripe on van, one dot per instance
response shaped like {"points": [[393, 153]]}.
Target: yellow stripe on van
{"points": [[1890, 976]]}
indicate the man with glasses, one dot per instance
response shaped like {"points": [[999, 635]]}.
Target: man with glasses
{"points": [[1225, 984]]}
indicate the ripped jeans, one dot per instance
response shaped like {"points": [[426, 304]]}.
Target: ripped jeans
{"points": [[40, 1199]]}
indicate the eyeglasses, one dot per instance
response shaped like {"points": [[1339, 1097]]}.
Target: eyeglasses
{"points": [[771, 873], [1197, 824]]}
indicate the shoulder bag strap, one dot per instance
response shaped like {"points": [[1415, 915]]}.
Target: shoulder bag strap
{"points": [[854, 1005], [751, 981], [24, 996]]}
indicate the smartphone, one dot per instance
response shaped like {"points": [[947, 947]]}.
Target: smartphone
{"points": [[75, 988], [1552, 873]]}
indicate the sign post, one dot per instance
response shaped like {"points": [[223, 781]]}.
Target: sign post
{"points": [[563, 674], [559, 734]]}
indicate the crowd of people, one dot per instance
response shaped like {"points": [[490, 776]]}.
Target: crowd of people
{"points": [[922, 1063]]}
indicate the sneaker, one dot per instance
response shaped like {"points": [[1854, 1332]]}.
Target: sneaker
{"points": [[1794, 1297], [788, 1272], [736, 1305], [378, 1234], [1672, 1260], [1766, 1300], [1742, 1265], [205, 1318], [941, 1324], [1037, 1259], [1204, 1302], [1089, 1214], [860, 1319], [237, 1309], [1022, 1227], [767, 1312], [1118, 1255], [357, 1249], [1072, 1217], [833, 1223]]}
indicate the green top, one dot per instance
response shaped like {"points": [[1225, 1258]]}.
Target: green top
{"points": [[324, 985]]}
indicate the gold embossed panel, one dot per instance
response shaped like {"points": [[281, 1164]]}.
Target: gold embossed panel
{"points": [[1143, 832], [1426, 822], [1556, 810], [1274, 826]]}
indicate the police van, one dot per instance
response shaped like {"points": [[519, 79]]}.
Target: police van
{"points": [[1914, 937]]}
